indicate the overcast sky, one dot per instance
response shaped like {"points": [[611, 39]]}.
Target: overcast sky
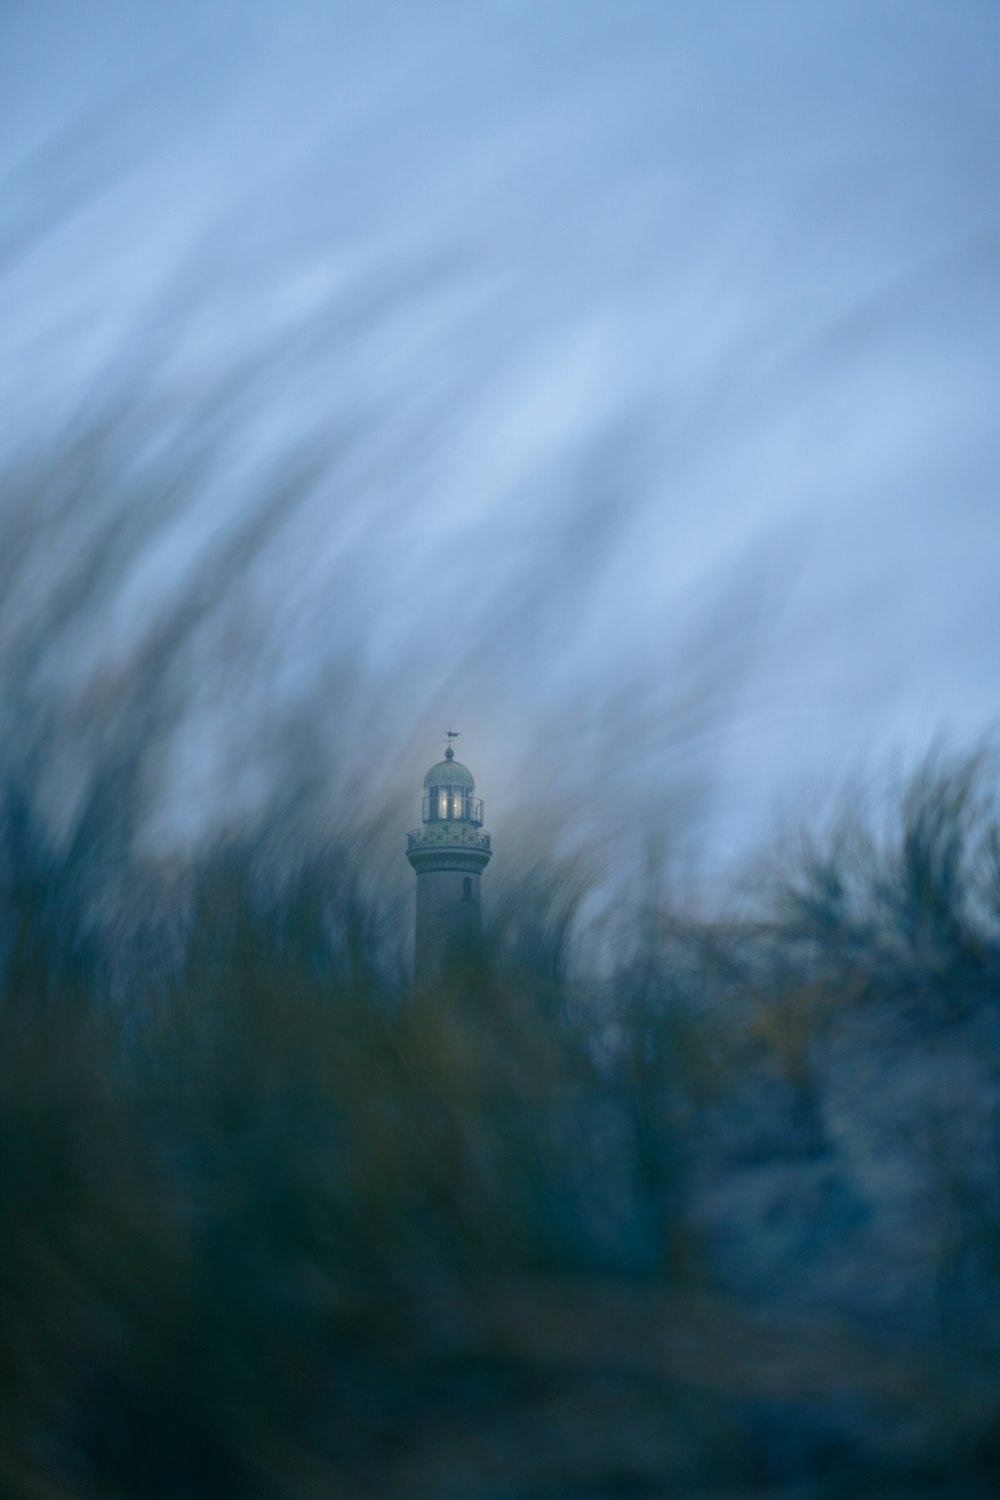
{"points": [[651, 350]]}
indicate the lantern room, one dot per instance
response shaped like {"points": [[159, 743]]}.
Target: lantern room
{"points": [[448, 793]]}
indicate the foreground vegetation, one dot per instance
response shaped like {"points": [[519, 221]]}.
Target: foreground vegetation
{"points": [[726, 1223]]}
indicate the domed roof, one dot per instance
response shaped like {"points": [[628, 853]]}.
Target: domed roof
{"points": [[450, 772]]}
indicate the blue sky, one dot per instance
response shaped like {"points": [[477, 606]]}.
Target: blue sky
{"points": [[650, 351]]}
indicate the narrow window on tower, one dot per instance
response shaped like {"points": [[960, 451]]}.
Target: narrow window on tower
{"points": [[467, 888]]}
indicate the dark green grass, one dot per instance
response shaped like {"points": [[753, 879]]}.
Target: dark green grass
{"points": [[724, 1224]]}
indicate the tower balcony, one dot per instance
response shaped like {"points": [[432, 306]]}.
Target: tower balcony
{"points": [[448, 834]]}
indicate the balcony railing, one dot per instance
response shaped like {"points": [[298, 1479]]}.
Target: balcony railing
{"points": [[450, 806], [436, 834]]}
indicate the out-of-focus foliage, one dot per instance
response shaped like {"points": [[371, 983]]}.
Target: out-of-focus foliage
{"points": [[725, 1223], [632, 1203]]}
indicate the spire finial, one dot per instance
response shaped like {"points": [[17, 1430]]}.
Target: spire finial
{"points": [[450, 734]]}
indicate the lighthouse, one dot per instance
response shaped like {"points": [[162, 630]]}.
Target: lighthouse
{"points": [[449, 852]]}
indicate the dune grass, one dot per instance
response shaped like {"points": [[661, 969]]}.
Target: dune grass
{"points": [[727, 1223]]}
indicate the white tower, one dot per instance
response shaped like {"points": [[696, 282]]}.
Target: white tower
{"points": [[449, 853]]}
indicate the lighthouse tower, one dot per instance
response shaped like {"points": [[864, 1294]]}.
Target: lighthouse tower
{"points": [[449, 853]]}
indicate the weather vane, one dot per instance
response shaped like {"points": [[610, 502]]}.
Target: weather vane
{"points": [[450, 734]]}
